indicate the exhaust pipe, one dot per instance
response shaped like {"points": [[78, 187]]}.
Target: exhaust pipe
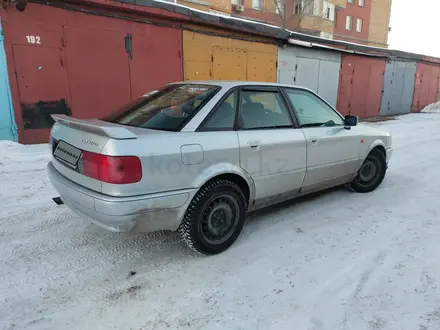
{"points": [[58, 200]]}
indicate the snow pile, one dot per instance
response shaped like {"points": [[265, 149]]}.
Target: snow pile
{"points": [[338, 260], [432, 108]]}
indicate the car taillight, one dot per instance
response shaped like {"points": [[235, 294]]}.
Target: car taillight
{"points": [[111, 169]]}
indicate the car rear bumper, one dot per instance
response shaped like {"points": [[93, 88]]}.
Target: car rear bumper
{"points": [[146, 213]]}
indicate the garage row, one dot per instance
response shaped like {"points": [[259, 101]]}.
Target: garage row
{"points": [[60, 61]]}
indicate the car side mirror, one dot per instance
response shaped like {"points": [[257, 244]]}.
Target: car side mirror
{"points": [[350, 121]]}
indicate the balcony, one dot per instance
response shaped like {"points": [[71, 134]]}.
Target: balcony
{"points": [[312, 24], [339, 3]]}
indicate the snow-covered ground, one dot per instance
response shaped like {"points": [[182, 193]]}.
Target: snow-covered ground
{"points": [[335, 261]]}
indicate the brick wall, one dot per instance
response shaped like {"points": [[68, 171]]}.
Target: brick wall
{"points": [[357, 12], [311, 23], [379, 22], [267, 14], [340, 3], [200, 5], [223, 6]]}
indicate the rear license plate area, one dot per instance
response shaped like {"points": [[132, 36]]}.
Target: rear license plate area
{"points": [[67, 153]]}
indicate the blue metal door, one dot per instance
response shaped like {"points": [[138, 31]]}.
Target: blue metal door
{"points": [[315, 69], [398, 88], [8, 128]]}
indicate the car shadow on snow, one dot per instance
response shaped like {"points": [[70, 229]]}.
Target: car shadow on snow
{"points": [[167, 244]]}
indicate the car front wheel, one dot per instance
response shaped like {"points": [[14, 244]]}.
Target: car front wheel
{"points": [[371, 173], [215, 217]]}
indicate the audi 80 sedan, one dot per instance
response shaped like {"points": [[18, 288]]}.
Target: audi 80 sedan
{"points": [[196, 157]]}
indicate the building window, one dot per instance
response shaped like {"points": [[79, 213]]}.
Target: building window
{"points": [[298, 8], [359, 25], [279, 7], [306, 7], [256, 4], [349, 23], [350, 1], [329, 11], [361, 3]]}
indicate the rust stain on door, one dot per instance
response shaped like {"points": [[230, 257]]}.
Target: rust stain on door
{"points": [[42, 86]]}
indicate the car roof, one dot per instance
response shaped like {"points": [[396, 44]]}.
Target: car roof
{"points": [[230, 84]]}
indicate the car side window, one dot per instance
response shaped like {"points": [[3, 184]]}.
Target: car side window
{"points": [[311, 110], [223, 116], [263, 109]]}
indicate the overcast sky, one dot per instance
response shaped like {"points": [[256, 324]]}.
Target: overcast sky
{"points": [[415, 26]]}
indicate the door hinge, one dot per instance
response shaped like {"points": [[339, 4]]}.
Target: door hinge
{"points": [[16, 75], [212, 58], [276, 64], [296, 67], [129, 45], [63, 41]]}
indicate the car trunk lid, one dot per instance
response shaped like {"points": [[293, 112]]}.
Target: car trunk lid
{"points": [[77, 145]]}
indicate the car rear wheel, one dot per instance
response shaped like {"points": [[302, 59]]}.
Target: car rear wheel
{"points": [[215, 217], [371, 173]]}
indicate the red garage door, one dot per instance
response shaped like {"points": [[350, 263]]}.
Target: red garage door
{"points": [[42, 87], [426, 86], [360, 86], [107, 69], [86, 65], [98, 71], [156, 58]]}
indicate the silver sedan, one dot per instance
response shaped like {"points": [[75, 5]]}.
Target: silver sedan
{"points": [[196, 157]]}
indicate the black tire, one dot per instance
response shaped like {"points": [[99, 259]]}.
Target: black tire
{"points": [[208, 215], [364, 183]]}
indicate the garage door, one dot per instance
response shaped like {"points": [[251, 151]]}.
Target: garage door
{"points": [[398, 88], [316, 70], [42, 87]]}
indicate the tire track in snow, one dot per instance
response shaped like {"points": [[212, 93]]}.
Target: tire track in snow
{"points": [[94, 249]]}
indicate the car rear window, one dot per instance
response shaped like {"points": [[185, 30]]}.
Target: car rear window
{"points": [[167, 109]]}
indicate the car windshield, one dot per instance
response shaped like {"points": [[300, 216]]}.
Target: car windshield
{"points": [[167, 109]]}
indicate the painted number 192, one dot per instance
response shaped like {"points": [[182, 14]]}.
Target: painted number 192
{"points": [[33, 40]]}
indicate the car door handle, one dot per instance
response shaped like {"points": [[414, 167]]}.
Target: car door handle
{"points": [[314, 140], [255, 145]]}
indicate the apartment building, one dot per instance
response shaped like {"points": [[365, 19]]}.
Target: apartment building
{"points": [[363, 21], [359, 21]]}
